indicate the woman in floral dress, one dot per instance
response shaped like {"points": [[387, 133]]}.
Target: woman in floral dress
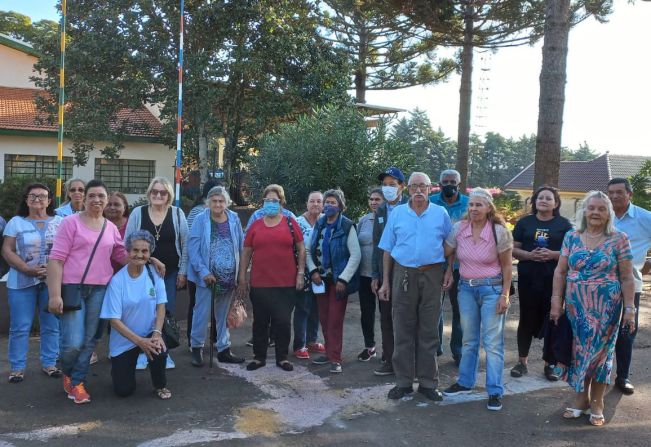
{"points": [[595, 271]]}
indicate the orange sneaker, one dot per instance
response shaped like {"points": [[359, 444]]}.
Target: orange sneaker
{"points": [[79, 394], [67, 384]]}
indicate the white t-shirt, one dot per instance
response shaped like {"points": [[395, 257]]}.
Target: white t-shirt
{"points": [[34, 239], [133, 301]]}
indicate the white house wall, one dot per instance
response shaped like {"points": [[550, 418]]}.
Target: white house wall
{"points": [[16, 68]]}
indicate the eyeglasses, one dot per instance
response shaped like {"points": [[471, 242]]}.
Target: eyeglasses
{"points": [[449, 182], [81, 190], [421, 187], [96, 196], [35, 197], [271, 201], [159, 192]]}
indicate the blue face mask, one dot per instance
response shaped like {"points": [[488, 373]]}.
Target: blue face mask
{"points": [[271, 208], [330, 210]]}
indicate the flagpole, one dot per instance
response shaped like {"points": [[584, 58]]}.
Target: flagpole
{"points": [[62, 102], [179, 124]]}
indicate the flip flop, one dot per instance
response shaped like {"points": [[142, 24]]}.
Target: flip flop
{"points": [[16, 376], [52, 371], [574, 413], [597, 420], [163, 393]]}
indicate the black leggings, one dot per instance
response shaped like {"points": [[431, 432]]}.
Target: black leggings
{"points": [[534, 293], [123, 371], [367, 308], [272, 308]]}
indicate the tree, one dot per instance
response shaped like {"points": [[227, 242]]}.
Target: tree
{"points": [[20, 26], [583, 153], [386, 51], [641, 185]]}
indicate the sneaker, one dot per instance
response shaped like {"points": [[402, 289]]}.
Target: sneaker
{"points": [[549, 373], [93, 358], [366, 355], [316, 347], [197, 357], [455, 389], [385, 370], [67, 384], [494, 402], [169, 363], [302, 354], [431, 393], [398, 392], [519, 370], [272, 343], [335, 368], [142, 362], [79, 394], [226, 356], [321, 360], [250, 342]]}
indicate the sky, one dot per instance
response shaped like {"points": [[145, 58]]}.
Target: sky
{"points": [[607, 96]]}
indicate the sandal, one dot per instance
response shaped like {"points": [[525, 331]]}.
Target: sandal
{"points": [[574, 413], [255, 365], [16, 376], [52, 371], [285, 365], [597, 420], [163, 393]]}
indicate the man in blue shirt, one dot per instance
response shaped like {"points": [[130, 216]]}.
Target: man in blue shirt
{"points": [[413, 271], [636, 223], [456, 205]]}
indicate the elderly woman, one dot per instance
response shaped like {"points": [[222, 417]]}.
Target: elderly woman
{"points": [[117, 211], [169, 227], [215, 241], [74, 188], [135, 306], [28, 238], [333, 260], [306, 312], [482, 245], [366, 295], [275, 246], [537, 240], [594, 277]]}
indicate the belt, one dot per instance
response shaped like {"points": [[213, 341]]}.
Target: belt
{"points": [[482, 281], [423, 268]]}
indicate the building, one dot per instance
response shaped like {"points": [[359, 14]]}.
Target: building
{"points": [[28, 147], [576, 178]]}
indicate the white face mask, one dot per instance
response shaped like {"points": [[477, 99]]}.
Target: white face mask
{"points": [[390, 193]]}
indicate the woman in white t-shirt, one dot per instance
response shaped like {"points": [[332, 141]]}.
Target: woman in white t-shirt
{"points": [[28, 239], [135, 306]]}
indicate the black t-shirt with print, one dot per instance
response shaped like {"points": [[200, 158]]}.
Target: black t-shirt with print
{"points": [[533, 233]]}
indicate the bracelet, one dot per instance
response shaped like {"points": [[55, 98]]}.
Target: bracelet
{"points": [[300, 273], [505, 296], [630, 309], [156, 331]]}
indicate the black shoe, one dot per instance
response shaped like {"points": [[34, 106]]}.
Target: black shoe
{"points": [[398, 392], [431, 393], [457, 360], [255, 365], [250, 342], [321, 360], [519, 370], [272, 343], [285, 365], [553, 373], [197, 357], [366, 355], [455, 389], [385, 370], [625, 386], [494, 402], [226, 356]]}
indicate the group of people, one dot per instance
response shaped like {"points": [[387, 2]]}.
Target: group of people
{"points": [[404, 256]]}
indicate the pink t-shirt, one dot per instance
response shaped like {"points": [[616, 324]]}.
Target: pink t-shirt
{"points": [[478, 259], [73, 245]]}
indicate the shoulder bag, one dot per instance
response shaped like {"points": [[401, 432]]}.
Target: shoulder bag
{"points": [[171, 332], [512, 288]]}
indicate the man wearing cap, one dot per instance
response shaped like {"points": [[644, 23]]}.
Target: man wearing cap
{"points": [[456, 204], [413, 258], [393, 185]]}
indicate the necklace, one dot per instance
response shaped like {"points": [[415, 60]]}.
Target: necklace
{"points": [[157, 228]]}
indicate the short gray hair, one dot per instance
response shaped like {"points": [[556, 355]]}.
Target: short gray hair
{"points": [[140, 235], [449, 172], [581, 221], [414, 174], [219, 191], [338, 194]]}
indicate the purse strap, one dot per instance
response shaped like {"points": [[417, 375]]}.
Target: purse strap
{"points": [[92, 253], [291, 230]]}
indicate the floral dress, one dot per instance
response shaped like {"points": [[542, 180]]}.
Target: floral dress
{"points": [[593, 304]]}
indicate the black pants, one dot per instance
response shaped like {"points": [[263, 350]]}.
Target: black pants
{"points": [[534, 293], [386, 326], [367, 307], [272, 306], [192, 293], [624, 345], [123, 371]]}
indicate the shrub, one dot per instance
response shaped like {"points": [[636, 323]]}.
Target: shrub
{"points": [[11, 193]]}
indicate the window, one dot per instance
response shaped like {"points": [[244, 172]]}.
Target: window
{"points": [[36, 166], [127, 176]]}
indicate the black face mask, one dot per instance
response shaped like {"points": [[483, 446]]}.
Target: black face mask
{"points": [[450, 190]]}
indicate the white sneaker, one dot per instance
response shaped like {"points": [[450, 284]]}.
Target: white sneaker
{"points": [[170, 363], [142, 362]]}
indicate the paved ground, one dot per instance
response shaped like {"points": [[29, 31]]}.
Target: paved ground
{"points": [[309, 407]]}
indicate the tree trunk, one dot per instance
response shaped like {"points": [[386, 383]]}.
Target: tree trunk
{"points": [[203, 153], [552, 93], [465, 97], [360, 70]]}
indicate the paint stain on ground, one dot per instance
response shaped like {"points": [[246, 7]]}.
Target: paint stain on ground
{"points": [[258, 422]]}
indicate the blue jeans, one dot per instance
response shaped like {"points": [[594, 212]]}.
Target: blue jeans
{"points": [[80, 330], [22, 304], [456, 338], [478, 306], [306, 320], [201, 316], [170, 289]]}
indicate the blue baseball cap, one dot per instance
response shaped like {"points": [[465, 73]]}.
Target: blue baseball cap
{"points": [[393, 172]]}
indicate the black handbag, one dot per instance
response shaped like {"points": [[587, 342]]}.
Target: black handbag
{"points": [[72, 294], [171, 332]]}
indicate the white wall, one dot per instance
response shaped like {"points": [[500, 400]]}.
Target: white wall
{"points": [[16, 68]]}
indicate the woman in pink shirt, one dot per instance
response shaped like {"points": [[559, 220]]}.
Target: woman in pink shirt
{"points": [[483, 246]]}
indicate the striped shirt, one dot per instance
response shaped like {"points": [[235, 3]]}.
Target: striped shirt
{"points": [[478, 259]]}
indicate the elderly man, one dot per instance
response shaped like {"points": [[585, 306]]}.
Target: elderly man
{"points": [[636, 223], [456, 204], [413, 265]]}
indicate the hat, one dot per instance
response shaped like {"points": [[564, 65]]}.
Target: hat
{"points": [[393, 172]]}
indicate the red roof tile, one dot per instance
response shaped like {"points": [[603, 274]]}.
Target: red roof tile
{"points": [[18, 111]]}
